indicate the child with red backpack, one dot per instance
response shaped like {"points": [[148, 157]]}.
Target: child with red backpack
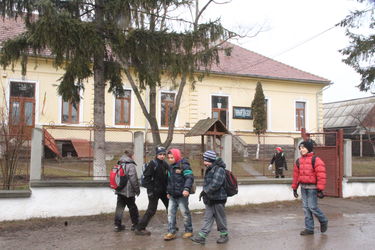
{"points": [[126, 196], [310, 173], [214, 197]]}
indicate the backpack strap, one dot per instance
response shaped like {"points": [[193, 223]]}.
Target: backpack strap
{"points": [[312, 161]]}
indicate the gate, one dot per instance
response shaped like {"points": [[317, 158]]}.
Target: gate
{"points": [[329, 147]]}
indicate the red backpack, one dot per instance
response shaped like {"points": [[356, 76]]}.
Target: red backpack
{"points": [[117, 177]]}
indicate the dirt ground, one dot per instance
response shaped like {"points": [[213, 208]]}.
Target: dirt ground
{"points": [[266, 226]]}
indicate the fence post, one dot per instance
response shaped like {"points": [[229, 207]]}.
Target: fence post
{"points": [[227, 151], [347, 157], [36, 154], [139, 151]]}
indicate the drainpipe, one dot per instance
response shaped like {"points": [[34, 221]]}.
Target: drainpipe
{"points": [[317, 105]]}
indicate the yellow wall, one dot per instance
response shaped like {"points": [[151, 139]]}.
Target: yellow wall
{"points": [[195, 104]]}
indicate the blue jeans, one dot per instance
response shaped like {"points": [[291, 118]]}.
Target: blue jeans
{"points": [[183, 204], [310, 208]]}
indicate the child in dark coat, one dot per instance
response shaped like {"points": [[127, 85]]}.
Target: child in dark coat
{"points": [[280, 163], [214, 197]]}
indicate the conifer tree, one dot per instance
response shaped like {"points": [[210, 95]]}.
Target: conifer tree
{"points": [[259, 114], [104, 39]]}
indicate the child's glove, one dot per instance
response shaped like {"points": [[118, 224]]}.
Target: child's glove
{"points": [[270, 167], [320, 194], [201, 195], [295, 193]]}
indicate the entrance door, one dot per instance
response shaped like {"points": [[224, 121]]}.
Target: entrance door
{"points": [[219, 106], [22, 108]]}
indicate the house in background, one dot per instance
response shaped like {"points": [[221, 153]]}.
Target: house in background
{"points": [[293, 100], [357, 118]]}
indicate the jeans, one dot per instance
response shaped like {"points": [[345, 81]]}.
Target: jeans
{"points": [[122, 202], [183, 204], [215, 212], [310, 208], [151, 209]]}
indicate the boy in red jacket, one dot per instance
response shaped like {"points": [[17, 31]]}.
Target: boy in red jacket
{"points": [[312, 178]]}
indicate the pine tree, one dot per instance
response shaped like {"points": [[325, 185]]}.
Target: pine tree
{"points": [[259, 114], [103, 39], [360, 53]]}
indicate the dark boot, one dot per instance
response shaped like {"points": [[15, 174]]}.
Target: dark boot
{"points": [[199, 239], [119, 228], [323, 227], [142, 232], [306, 232], [222, 239]]}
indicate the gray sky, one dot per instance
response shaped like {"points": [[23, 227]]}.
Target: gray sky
{"points": [[298, 24]]}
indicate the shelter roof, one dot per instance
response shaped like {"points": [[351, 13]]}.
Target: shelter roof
{"points": [[350, 113], [209, 126]]}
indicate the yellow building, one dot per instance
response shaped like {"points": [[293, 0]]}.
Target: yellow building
{"points": [[293, 97]]}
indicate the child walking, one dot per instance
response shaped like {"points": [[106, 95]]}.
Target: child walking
{"points": [[310, 172], [214, 198], [280, 163], [180, 182], [126, 196]]}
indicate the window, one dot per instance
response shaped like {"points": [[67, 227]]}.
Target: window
{"points": [[300, 115], [70, 112], [167, 102], [219, 106], [122, 109], [266, 114]]}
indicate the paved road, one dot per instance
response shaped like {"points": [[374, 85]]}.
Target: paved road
{"points": [[266, 226]]}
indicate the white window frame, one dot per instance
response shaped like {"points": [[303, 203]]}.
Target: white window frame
{"points": [[158, 109], [230, 108], [80, 110], [306, 114]]}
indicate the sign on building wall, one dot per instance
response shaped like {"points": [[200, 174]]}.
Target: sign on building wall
{"points": [[242, 113]]}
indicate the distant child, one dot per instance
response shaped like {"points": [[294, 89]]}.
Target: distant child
{"points": [[280, 163], [214, 197], [126, 196], [180, 183], [312, 178]]}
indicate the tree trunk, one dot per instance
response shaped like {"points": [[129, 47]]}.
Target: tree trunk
{"points": [[99, 166], [258, 148]]}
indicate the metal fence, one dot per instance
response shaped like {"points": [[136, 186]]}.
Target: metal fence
{"points": [[14, 161], [68, 151], [363, 159]]}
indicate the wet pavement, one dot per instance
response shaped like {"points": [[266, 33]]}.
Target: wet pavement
{"points": [[265, 226]]}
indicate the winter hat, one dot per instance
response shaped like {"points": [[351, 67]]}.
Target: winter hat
{"points": [[279, 149], [308, 145], [209, 156], [160, 150], [176, 154]]}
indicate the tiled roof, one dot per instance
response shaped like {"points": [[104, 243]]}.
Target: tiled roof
{"points": [[242, 62], [350, 113], [207, 127]]}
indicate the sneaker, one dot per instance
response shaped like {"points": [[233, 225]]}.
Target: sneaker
{"points": [[142, 232], [187, 235], [323, 227], [169, 236], [306, 232], [222, 239], [119, 228], [198, 239]]}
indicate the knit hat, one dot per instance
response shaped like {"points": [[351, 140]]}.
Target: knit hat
{"points": [[209, 156], [160, 150], [279, 149], [308, 145]]}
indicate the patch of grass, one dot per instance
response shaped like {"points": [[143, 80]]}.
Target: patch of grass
{"points": [[363, 166]]}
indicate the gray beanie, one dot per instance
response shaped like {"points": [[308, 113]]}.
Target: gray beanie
{"points": [[209, 156]]}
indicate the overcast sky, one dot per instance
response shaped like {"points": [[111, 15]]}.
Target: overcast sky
{"points": [[289, 23]]}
